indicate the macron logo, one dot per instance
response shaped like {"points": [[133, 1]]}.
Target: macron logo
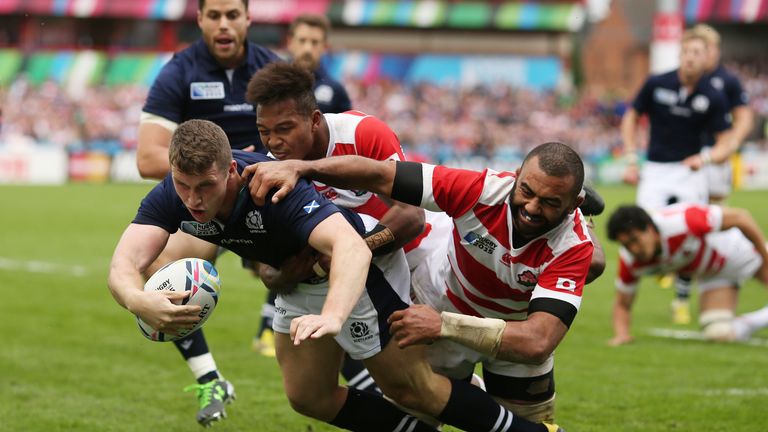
{"points": [[309, 208]]}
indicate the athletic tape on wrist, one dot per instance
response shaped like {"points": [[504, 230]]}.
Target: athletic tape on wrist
{"points": [[481, 334], [319, 270]]}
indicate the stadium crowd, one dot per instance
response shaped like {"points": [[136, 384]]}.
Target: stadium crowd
{"points": [[436, 122]]}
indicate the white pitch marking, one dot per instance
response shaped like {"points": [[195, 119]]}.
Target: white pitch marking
{"points": [[695, 335], [737, 392], [42, 267]]}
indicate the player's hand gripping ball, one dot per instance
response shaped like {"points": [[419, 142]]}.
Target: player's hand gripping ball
{"points": [[187, 274]]}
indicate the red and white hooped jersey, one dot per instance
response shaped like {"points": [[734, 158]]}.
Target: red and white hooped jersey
{"points": [[488, 277], [360, 134], [685, 249]]}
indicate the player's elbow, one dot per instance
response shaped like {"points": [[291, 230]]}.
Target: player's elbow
{"points": [[537, 352]]}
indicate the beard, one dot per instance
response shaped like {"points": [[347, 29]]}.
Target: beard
{"points": [[306, 61]]}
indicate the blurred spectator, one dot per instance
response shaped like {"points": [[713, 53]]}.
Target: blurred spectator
{"points": [[441, 123]]}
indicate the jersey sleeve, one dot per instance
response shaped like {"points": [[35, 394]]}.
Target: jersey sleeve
{"points": [[702, 220], [375, 140], [561, 284], [718, 114], [735, 93], [626, 279], [303, 209], [160, 207], [644, 99], [166, 96]]}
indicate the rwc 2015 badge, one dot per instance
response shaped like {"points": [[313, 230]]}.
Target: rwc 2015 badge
{"points": [[206, 90]]}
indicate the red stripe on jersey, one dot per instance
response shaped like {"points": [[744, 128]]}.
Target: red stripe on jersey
{"points": [[534, 255], [374, 207], [625, 274], [481, 277], [691, 268], [375, 140], [464, 308], [697, 221], [716, 262], [460, 305], [456, 191], [577, 228], [494, 218], [568, 272], [342, 149], [413, 244], [674, 242]]}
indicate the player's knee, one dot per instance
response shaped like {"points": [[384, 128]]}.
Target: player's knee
{"points": [[717, 325], [321, 408]]}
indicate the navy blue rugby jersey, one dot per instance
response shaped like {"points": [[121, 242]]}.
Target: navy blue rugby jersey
{"points": [[331, 96], [679, 120], [730, 86], [193, 85], [269, 233]]}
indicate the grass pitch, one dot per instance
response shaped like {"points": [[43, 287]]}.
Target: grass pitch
{"points": [[72, 359]]}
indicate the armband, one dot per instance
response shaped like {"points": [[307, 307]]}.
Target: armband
{"points": [[481, 334], [380, 240]]}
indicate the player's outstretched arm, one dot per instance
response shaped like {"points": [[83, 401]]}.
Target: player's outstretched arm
{"points": [[622, 319], [137, 249], [152, 150], [628, 138], [350, 258], [345, 172]]}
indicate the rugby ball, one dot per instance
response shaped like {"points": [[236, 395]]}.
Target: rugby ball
{"points": [[195, 275]]}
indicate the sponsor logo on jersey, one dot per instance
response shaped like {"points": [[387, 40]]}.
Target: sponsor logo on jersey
{"points": [[481, 243], [254, 222], [359, 192], [206, 90], [527, 278], [236, 241], [280, 310], [310, 207], [199, 229], [665, 96], [238, 107], [360, 332]]}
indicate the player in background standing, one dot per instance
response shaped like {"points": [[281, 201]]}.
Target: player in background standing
{"points": [[514, 272], [720, 247], [307, 43], [207, 80], [206, 195], [719, 177], [681, 106]]}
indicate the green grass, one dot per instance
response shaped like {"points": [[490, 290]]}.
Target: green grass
{"points": [[72, 359]]}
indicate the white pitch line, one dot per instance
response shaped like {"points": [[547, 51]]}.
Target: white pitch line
{"points": [[42, 267], [695, 335], [737, 392]]}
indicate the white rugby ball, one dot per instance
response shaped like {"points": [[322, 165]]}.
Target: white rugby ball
{"points": [[195, 275]]}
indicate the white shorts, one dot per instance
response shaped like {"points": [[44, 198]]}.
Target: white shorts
{"points": [[429, 261], [366, 331], [719, 179], [741, 260], [665, 183]]}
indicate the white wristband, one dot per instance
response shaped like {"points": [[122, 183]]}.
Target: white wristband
{"points": [[319, 270], [481, 334], [706, 156]]}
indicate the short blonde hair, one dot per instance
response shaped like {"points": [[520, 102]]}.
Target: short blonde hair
{"points": [[708, 33], [691, 34]]}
